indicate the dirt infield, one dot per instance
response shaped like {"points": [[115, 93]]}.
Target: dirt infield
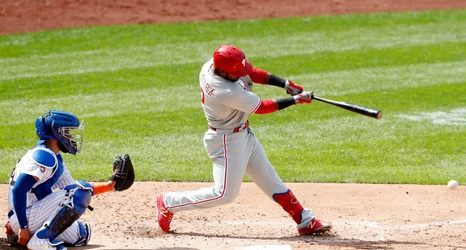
{"points": [[364, 216]]}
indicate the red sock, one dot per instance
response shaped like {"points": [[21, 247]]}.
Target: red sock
{"points": [[290, 204]]}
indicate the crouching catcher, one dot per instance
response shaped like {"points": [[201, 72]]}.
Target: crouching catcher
{"points": [[44, 201]]}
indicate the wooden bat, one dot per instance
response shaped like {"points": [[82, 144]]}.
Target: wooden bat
{"points": [[377, 114]]}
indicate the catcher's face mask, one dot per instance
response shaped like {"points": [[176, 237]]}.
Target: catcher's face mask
{"points": [[74, 135], [63, 127]]}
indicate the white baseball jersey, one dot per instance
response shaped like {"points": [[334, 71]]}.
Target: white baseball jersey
{"points": [[28, 166], [234, 152], [226, 104], [42, 201]]}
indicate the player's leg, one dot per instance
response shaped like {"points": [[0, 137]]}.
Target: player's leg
{"points": [[229, 157], [62, 226], [40, 211], [229, 154], [261, 171], [78, 234], [264, 175]]}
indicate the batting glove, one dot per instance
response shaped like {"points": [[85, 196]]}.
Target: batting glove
{"points": [[304, 97], [293, 88]]}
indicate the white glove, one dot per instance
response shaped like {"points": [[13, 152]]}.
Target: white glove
{"points": [[293, 88], [304, 97]]}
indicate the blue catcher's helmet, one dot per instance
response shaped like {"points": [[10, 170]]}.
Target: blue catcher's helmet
{"points": [[61, 126]]}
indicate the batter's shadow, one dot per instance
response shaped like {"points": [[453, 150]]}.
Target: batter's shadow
{"points": [[326, 239], [339, 242]]}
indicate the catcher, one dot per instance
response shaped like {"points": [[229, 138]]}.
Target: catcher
{"points": [[44, 201]]}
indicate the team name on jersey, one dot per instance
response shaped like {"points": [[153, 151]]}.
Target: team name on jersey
{"points": [[207, 89]]}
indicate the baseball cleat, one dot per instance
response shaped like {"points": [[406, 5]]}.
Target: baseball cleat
{"points": [[164, 217], [315, 227], [85, 233], [39, 241], [11, 237]]}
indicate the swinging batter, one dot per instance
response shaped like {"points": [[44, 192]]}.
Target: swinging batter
{"points": [[226, 83]]}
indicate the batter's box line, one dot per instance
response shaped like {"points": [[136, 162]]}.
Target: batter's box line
{"points": [[359, 223], [380, 226], [433, 224]]}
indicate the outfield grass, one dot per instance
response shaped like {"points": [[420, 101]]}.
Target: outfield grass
{"points": [[136, 87]]}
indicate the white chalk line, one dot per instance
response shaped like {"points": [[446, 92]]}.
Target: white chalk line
{"points": [[265, 247], [434, 224]]}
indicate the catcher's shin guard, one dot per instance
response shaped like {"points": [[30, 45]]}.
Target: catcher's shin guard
{"points": [[75, 204], [290, 204]]}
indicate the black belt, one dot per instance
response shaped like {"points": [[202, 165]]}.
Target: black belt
{"points": [[237, 129], [11, 213]]}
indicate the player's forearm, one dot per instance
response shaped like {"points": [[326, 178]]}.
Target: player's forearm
{"points": [[104, 187], [259, 76], [272, 105], [23, 184], [19, 202], [276, 81], [263, 77]]}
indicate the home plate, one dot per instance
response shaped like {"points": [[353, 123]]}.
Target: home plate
{"points": [[266, 247]]}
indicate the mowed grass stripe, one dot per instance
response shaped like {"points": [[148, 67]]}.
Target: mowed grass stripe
{"points": [[350, 61], [157, 99], [307, 42], [102, 105], [379, 79], [371, 38], [120, 36]]}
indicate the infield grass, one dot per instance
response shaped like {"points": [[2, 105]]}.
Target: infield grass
{"points": [[136, 87]]}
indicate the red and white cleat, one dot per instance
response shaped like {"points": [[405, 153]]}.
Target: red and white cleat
{"points": [[164, 217], [315, 227]]}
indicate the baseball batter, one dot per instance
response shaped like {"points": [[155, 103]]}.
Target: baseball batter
{"points": [[226, 83], [44, 201]]}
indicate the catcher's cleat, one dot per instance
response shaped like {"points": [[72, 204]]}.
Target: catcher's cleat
{"points": [[40, 241], [85, 234], [164, 217], [315, 227], [11, 237]]}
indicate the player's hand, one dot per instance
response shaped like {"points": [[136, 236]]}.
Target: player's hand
{"points": [[24, 236], [293, 88], [304, 98]]}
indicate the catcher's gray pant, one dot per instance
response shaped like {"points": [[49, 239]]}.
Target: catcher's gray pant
{"points": [[232, 155]]}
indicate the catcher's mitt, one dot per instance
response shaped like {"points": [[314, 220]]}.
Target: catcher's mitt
{"points": [[123, 173]]}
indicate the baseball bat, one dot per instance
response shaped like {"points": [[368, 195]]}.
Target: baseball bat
{"points": [[377, 114]]}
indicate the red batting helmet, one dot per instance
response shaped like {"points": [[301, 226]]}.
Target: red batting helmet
{"points": [[232, 60]]}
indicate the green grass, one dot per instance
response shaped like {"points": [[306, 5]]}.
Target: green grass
{"points": [[136, 87]]}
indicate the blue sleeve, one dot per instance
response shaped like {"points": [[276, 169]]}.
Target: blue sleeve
{"points": [[23, 184]]}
